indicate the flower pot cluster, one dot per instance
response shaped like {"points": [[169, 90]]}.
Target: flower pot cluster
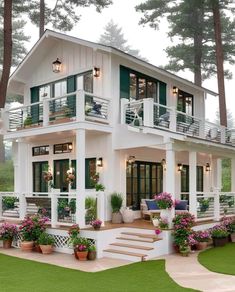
{"points": [[183, 233], [96, 224], [84, 249], [7, 233]]}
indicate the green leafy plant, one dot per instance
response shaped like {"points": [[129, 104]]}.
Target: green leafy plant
{"points": [[116, 202], [28, 121], [46, 239], [91, 209], [81, 243], [204, 204], [99, 187], [219, 231], [8, 202]]}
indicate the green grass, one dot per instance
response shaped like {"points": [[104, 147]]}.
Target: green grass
{"points": [[18, 275], [219, 259], [6, 176]]}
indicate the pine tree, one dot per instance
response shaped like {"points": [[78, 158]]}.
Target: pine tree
{"points": [[114, 37]]}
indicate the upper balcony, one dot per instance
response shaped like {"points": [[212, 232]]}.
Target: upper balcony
{"points": [[147, 113], [77, 106]]}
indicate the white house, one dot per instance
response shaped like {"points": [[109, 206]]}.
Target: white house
{"points": [[100, 110]]}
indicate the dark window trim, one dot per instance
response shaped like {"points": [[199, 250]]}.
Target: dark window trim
{"points": [[33, 150], [40, 163], [189, 95], [62, 151]]}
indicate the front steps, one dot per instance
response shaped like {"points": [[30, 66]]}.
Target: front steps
{"points": [[133, 246]]}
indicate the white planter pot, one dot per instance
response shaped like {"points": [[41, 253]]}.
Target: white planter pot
{"points": [[167, 214], [128, 216], [155, 222]]}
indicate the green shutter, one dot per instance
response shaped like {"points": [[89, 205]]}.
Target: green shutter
{"points": [[71, 100], [162, 97], [34, 112], [124, 82]]}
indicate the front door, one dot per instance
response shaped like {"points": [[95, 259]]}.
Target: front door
{"points": [[60, 174], [144, 179], [39, 183]]}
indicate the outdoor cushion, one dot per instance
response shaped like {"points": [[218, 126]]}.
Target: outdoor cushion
{"points": [[182, 205], [152, 205]]}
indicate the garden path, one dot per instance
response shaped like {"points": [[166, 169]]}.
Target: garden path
{"points": [[188, 272]]}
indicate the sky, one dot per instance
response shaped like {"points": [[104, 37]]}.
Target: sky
{"points": [[151, 43]]}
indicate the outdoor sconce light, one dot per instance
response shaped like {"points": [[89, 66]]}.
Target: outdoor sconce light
{"points": [[70, 146], [99, 162], [131, 160], [163, 163], [56, 66], [175, 90], [208, 167], [180, 166], [96, 72]]}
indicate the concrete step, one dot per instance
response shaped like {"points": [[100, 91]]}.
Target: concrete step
{"points": [[131, 246], [133, 255], [152, 237], [131, 241], [135, 239]]}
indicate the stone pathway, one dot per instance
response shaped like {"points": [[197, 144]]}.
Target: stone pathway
{"points": [[187, 272], [67, 260]]}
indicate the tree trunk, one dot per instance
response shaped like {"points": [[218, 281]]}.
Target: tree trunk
{"points": [[2, 149], [219, 62], [7, 51], [198, 37], [42, 18]]}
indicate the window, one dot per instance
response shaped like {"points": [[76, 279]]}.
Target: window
{"points": [[44, 92], [40, 150], [63, 148], [185, 102], [39, 183], [142, 88], [133, 86], [152, 90], [88, 82]]}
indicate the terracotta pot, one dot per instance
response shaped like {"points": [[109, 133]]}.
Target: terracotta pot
{"points": [[201, 245], [232, 237], [26, 246], [37, 248], [91, 255], [176, 248], [7, 243], [82, 255], [75, 253], [220, 241], [116, 218], [46, 249], [97, 227]]}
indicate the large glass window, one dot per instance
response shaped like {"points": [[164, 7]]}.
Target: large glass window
{"points": [[39, 183], [88, 82], [60, 88], [185, 102], [133, 86], [152, 90], [142, 88]]}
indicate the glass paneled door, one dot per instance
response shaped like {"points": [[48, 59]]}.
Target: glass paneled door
{"points": [[144, 179], [39, 183], [60, 175]]}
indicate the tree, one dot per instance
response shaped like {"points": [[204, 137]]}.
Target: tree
{"points": [[7, 52], [63, 15], [230, 120], [114, 37]]}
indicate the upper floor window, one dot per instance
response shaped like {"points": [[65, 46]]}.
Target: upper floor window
{"points": [[85, 82], [185, 102]]}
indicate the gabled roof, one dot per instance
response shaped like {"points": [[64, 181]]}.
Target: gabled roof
{"points": [[44, 42]]}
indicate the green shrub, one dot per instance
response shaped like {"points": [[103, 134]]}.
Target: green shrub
{"points": [[116, 202]]}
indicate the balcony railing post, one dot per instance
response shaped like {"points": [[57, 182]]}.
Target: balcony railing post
{"points": [[148, 112], [45, 111], [217, 206], [202, 129], [124, 102], [54, 216], [5, 120], [173, 119], [223, 134], [23, 206], [101, 207], [80, 106]]}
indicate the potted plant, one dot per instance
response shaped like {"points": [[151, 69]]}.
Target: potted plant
{"points": [[184, 249], [157, 231], [165, 203], [219, 234], [99, 187], [46, 242], [202, 237], [204, 205], [81, 245], [163, 223], [91, 252], [155, 220], [73, 232], [116, 204], [7, 233], [28, 121], [96, 224]]}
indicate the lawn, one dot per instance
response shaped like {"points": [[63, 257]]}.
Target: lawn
{"points": [[18, 275], [219, 259]]}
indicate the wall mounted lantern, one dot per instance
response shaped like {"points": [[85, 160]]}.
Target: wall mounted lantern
{"points": [[56, 66], [96, 72], [99, 162], [180, 166], [175, 90], [208, 167], [163, 163]]}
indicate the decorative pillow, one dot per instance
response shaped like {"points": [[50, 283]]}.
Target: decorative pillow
{"points": [[152, 205], [182, 205]]}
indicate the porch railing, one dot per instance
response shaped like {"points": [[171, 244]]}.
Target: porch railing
{"points": [[79, 106], [147, 113]]}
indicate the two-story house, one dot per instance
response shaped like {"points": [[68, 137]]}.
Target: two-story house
{"points": [[90, 108]]}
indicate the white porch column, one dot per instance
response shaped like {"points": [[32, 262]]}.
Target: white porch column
{"points": [[80, 177], [233, 175], [124, 102], [218, 174], [22, 176], [193, 183], [148, 112], [218, 184], [45, 111]]}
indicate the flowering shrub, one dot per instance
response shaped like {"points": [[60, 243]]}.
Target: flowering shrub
{"points": [[8, 231], [96, 223], [182, 229], [81, 244], [227, 223], [157, 231], [164, 200], [202, 235], [184, 220], [32, 227], [219, 231], [191, 239], [163, 223], [74, 231]]}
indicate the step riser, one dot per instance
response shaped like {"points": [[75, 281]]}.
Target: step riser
{"points": [[137, 238], [129, 249], [147, 244], [136, 246], [121, 257]]}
